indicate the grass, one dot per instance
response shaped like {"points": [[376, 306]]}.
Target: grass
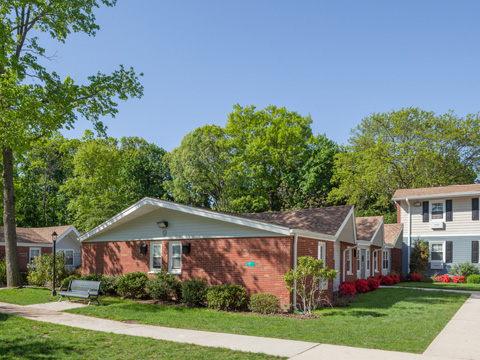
{"points": [[28, 339], [27, 296], [445, 286], [390, 319]]}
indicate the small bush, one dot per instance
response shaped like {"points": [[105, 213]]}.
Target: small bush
{"points": [[473, 279], [373, 283], [3, 272], [443, 279], [398, 275], [92, 277], [416, 277], [194, 292], [459, 279], [132, 284], [227, 297], [361, 285], [264, 303], [386, 280], [340, 300], [395, 278], [347, 288], [66, 281], [109, 285], [41, 270], [465, 269], [164, 286]]}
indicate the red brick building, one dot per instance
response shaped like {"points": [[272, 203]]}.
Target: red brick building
{"points": [[252, 250]]}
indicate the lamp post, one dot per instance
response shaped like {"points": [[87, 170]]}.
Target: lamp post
{"points": [[54, 239]]}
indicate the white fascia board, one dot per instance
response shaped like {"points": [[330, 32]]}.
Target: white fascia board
{"points": [[30, 244], [189, 210], [314, 235], [363, 243], [350, 215], [68, 231], [186, 237], [438, 196]]}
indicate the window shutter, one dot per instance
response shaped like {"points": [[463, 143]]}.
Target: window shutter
{"points": [[425, 211], [475, 209], [475, 251], [449, 213], [449, 252]]}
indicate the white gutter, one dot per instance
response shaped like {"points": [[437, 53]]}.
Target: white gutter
{"points": [[344, 259], [295, 244], [409, 234]]}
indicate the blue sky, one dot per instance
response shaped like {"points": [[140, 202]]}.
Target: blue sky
{"points": [[338, 61]]}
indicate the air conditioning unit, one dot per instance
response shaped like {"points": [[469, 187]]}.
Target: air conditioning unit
{"points": [[436, 265], [436, 224]]}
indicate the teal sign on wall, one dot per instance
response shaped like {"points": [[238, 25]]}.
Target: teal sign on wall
{"points": [[251, 263]]}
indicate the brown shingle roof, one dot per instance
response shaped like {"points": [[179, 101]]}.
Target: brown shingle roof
{"points": [[391, 233], [42, 235], [327, 220], [451, 189], [366, 226]]}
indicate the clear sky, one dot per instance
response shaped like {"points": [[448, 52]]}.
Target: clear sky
{"points": [[338, 61]]}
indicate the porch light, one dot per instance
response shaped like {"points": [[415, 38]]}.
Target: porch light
{"points": [[162, 224]]}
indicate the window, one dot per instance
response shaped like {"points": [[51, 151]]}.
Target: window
{"points": [[68, 254], [437, 251], [368, 262], [349, 261], [175, 257], [437, 210], [322, 256], [34, 252], [156, 256], [385, 259]]}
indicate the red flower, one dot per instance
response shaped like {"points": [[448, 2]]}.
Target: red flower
{"points": [[459, 279], [416, 277], [362, 285], [347, 288], [443, 279]]}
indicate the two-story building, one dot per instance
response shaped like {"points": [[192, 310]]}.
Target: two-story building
{"points": [[446, 217]]}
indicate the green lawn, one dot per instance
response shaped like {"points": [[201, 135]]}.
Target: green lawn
{"points": [[390, 319], [27, 296], [27, 339], [446, 286]]}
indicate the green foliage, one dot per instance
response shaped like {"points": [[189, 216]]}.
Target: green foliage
{"points": [[227, 297], [465, 269], [194, 292], [164, 286], [403, 149], [109, 285], [93, 277], [264, 303], [132, 284], [473, 279], [419, 258], [3, 272], [306, 280], [41, 270], [66, 281]]}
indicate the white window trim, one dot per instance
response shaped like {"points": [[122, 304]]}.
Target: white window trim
{"points": [[430, 243], [30, 253], [387, 258], [73, 255], [367, 262], [349, 262], [322, 245], [375, 261], [430, 209], [171, 244], [152, 244]]}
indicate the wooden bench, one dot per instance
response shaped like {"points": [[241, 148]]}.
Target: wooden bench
{"points": [[84, 289]]}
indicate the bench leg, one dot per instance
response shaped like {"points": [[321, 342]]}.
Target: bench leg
{"points": [[60, 298]]}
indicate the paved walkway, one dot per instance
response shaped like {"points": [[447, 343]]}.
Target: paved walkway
{"points": [[458, 340]]}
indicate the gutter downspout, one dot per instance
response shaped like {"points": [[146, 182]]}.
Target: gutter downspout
{"points": [[295, 245], [344, 254], [409, 234]]}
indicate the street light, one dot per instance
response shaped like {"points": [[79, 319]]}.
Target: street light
{"points": [[54, 239]]}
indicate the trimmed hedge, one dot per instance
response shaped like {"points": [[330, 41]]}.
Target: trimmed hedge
{"points": [[194, 292], [227, 297], [264, 303], [164, 286], [132, 284], [473, 279]]}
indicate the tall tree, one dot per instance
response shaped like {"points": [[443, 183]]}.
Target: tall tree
{"points": [[35, 102], [408, 148], [265, 145]]}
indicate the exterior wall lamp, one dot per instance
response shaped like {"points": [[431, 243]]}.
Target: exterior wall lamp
{"points": [[162, 224]]}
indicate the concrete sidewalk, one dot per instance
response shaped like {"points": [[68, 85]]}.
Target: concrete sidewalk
{"points": [[458, 340]]}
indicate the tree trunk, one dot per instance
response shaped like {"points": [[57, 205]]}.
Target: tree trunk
{"points": [[11, 258]]}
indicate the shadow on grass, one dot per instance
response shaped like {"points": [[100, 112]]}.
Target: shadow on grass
{"points": [[355, 313], [34, 349]]}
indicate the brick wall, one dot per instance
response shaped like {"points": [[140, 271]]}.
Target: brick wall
{"points": [[220, 261], [396, 258], [23, 255]]}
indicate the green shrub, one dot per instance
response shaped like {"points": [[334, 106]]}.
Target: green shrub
{"points": [[164, 286], [132, 284], [227, 297], [23, 277], [92, 277], [419, 257], [109, 285], [465, 269], [473, 279], [3, 272], [41, 270], [194, 292], [264, 303], [66, 281]]}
